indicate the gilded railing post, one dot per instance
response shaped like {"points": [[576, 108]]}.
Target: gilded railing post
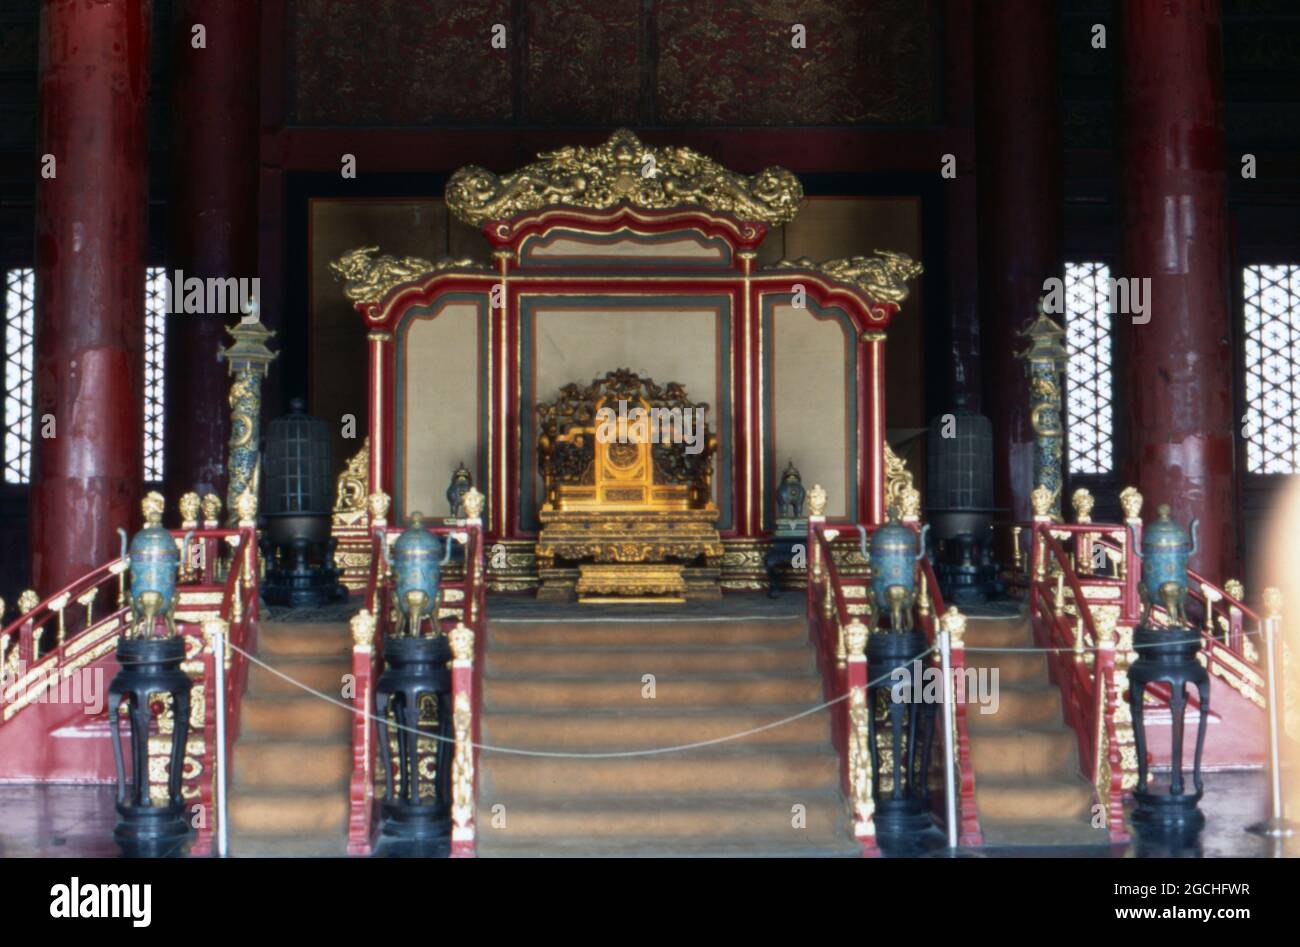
{"points": [[1044, 360], [1083, 503], [816, 570], [1131, 503], [861, 801], [463, 830], [361, 789], [248, 359], [1104, 679]]}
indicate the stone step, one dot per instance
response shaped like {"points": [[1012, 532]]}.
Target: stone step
{"points": [[822, 817], [288, 717], [722, 770], [1050, 751], [782, 846], [625, 692], [1016, 798], [642, 634], [651, 727], [308, 639], [691, 659], [998, 633], [1019, 705], [285, 764], [322, 674], [1012, 667], [322, 814]]}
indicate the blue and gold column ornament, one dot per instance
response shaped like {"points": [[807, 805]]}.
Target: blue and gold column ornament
{"points": [[248, 359], [1044, 359]]}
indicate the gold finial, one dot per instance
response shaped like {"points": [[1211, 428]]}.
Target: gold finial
{"points": [[855, 638], [189, 507], [214, 628], [1040, 499], [462, 642], [817, 500], [246, 508], [909, 504], [363, 628], [1272, 602], [954, 622], [1104, 619], [1234, 588], [211, 510], [152, 506], [1131, 502], [378, 504], [28, 601], [1082, 502], [473, 501], [614, 172]]}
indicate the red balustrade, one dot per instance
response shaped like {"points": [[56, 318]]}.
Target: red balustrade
{"points": [[845, 676], [77, 629], [368, 631]]}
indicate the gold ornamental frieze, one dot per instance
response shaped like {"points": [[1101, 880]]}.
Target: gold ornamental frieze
{"points": [[623, 169], [883, 277]]}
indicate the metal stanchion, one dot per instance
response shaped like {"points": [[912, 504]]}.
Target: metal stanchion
{"points": [[1276, 826], [949, 771], [219, 790]]}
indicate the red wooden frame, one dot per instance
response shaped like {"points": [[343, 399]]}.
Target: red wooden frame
{"points": [[746, 289]]}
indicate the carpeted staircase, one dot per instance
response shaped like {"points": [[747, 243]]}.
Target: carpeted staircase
{"points": [[577, 687], [1028, 784], [288, 793]]}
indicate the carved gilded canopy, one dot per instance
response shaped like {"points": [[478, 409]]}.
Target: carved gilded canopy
{"points": [[623, 169]]}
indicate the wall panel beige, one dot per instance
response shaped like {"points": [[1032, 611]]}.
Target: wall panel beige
{"points": [[439, 406], [810, 397]]}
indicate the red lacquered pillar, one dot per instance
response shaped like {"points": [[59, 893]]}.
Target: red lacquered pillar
{"points": [[1177, 395], [90, 263], [213, 223], [1019, 161]]}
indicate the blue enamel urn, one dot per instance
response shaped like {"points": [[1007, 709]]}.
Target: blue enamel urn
{"points": [[155, 561], [895, 549], [1166, 550], [418, 559]]}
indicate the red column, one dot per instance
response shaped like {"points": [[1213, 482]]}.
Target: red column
{"points": [[1019, 163], [213, 222], [90, 264], [1177, 396]]}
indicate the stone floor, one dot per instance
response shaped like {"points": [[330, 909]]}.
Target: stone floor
{"points": [[76, 821]]}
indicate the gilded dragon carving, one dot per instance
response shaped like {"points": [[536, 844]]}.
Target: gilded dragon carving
{"points": [[368, 280], [883, 278]]}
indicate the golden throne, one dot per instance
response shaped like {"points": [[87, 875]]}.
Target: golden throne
{"points": [[627, 512]]}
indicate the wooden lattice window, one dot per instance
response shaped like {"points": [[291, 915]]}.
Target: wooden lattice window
{"points": [[1089, 383], [155, 296], [1272, 352], [19, 355]]}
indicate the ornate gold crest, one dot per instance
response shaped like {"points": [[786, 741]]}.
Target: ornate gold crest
{"points": [[623, 169]]}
